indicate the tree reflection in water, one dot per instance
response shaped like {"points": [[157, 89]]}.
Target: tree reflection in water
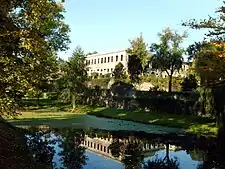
{"points": [[40, 147], [127, 147], [73, 155]]}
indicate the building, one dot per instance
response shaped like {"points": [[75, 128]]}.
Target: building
{"points": [[101, 146], [105, 63]]}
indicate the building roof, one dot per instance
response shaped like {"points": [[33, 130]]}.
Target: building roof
{"points": [[102, 54]]}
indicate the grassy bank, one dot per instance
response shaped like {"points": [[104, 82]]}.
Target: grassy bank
{"points": [[61, 116]]}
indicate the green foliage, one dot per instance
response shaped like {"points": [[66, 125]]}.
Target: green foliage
{"points": [[31, 34], [180, 103], [214, 24], [189, 83], [91, 53], [75, 76], [134, 68], [101, 82], [94, 75], [161, 82], [167, 55], [119, 73], [120, 88], [139, 48]]}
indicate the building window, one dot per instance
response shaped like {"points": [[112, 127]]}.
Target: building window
{"points": [[108, 59], [95, 61], [104, 149], [111, 69], [101, 60], [107, 70], [97, 69], [104, 69], [105, 60], [111, 58], [121, 57], [98, 60], [101, 70], [92, 61], [116, 58]]}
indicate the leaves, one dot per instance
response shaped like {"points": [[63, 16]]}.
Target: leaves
{"points": [[139, 48], [214, 24], [74, 75], [167, 55], [31, 32], [119, 72]]}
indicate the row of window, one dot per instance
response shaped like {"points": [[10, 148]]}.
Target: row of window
{"points": [[96, 146], [104, 60], [101, 70]]}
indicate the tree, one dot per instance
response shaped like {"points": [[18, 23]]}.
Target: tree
{"points": [[73, 154], [134, 68], [119, 73], [31, 34], [189, 83], [214, 24], [167, 55], [138, 57], [92, 53], [209, 66], [75, 76], [139, 48], [209, 59]]}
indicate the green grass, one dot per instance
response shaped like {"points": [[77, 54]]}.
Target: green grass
{"points": [[191, 124], [59, 115]]}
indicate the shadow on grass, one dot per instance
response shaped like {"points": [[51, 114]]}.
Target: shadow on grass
{"points": [[57, 122]]}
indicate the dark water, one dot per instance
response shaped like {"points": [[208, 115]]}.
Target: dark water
{"points": [[100, 149]]}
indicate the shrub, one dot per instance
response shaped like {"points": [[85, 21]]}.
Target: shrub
{"points": [[53, 95]]}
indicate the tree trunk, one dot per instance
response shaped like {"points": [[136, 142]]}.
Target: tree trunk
{"points": [[167, 157], [170, 84], [38, 99], [220, 120], [73, 101]]}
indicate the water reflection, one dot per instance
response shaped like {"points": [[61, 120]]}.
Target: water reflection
{"points": [[78, 149]]}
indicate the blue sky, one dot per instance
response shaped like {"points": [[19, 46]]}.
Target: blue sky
{"points": [[106, 25]]}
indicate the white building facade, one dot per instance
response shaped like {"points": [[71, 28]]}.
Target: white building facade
{"points": [[105, 63]]}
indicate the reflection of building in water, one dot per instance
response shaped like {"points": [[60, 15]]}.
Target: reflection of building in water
{"points": [[101, 146]]}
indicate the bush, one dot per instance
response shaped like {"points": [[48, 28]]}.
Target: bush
{"points": [[53, 95], [165, 102]]}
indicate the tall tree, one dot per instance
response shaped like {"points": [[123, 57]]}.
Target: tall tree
{"points": [[119, 73], [167, 55], [73, 154], [31, 34], [138, 57], [75, 76], [135, 68], [138, 47]]}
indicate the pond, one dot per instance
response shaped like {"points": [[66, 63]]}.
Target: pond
{"points": [[91, 148]]}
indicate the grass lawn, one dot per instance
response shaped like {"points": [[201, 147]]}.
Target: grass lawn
{"points": [[194, 125], [60, 116], [46, 117]]}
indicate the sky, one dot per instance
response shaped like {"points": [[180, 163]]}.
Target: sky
{"points": [[107, 25]]}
